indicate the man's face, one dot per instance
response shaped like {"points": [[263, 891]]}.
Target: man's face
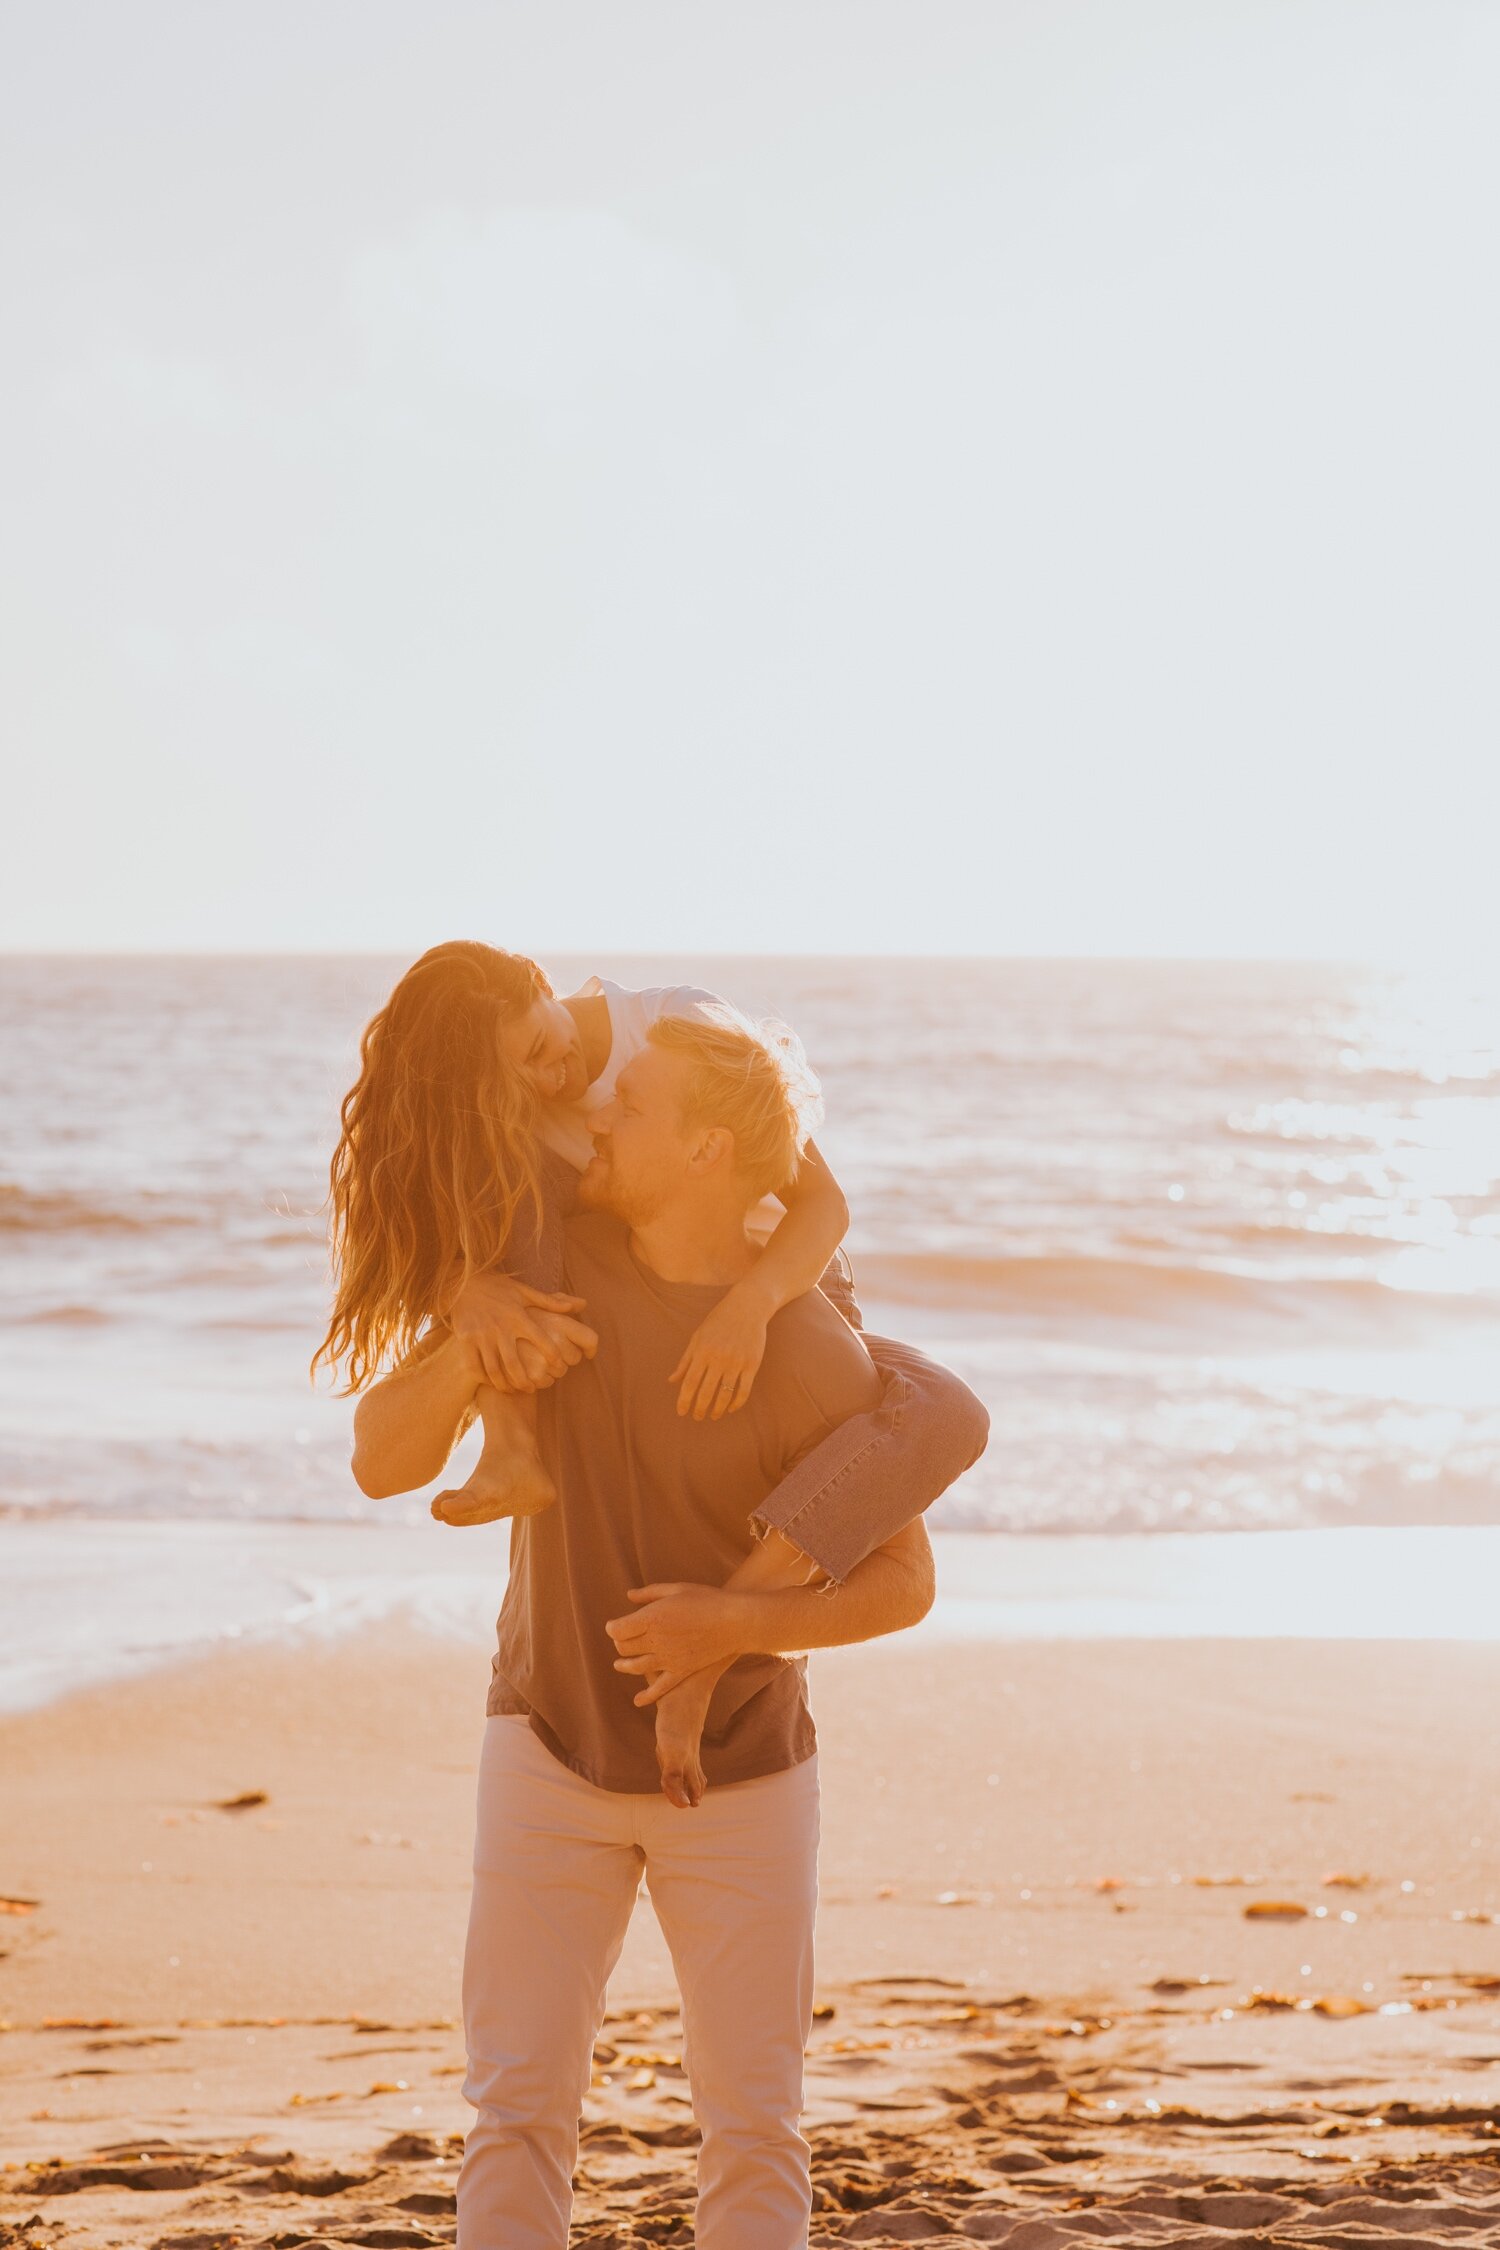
{"points": [[544, 1047], [642, 1151]]}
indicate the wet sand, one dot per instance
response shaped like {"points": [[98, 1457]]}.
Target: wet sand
{"points": [[1045, 2012]]}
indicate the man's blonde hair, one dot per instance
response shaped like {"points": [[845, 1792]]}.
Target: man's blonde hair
{"points": [[753, 1079]]}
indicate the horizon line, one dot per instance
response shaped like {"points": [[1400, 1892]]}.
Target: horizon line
{"points": [[734, 953]]}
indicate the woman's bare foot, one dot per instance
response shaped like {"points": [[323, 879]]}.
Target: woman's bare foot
{"points": [[495, 1490], [679, 1736], [508, 1478]]}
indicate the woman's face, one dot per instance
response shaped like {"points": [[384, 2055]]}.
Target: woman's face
{"points": [[544, 1047]]}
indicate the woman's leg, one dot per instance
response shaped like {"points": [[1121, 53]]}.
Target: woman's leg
{"points": [[875, 1472], [837, 1285], [508, 1478]]}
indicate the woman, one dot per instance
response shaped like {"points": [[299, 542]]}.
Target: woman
{"points": [[471, 1064]]}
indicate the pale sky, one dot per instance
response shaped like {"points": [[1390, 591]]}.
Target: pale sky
{"points": [[1018, 476]]}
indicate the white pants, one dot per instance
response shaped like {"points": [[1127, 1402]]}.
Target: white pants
{"points": [[557, 1865]]}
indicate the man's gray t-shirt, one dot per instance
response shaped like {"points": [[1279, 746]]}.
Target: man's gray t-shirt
{"points": [[646, 1495]]}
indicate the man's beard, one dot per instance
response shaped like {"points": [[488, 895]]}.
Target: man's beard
{"points": [[600, 1188]]}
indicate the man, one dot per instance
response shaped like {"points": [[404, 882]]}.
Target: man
{"points": [[703, 1121]]}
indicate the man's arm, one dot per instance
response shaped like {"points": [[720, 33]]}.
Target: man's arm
{"points": [[888, 1592], [769, 1606]]}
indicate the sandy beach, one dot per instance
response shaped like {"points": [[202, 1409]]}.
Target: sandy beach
{"points": [[1052, 2004]]}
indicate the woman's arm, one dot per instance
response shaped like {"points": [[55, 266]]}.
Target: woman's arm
{"points": [[525, 1337], [718, 1370], [767, 1608]]}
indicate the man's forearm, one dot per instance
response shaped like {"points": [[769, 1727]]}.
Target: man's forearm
{"points": [[889, 1591], [773, 1565], [406, 1426], [777, 1601]]}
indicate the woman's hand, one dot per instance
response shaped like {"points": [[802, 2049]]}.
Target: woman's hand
{"points": [[521, 1338], [723, 1356], [678, 1630], [568, 1346]]}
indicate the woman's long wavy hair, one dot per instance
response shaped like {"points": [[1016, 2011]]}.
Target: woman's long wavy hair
{"points": [[438, 1157]]}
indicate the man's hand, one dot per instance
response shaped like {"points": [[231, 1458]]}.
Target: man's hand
{"points": [[723, 1355], [678, 1630], [521, 1338]]}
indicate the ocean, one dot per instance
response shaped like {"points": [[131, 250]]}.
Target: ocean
{"points": [[1219, 1244]]}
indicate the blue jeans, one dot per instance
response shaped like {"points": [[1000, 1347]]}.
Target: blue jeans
{"points": [[877, 1471]]}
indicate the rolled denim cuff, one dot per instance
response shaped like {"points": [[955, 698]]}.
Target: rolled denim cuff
{"points": [[819, 1506], [826, 1583], [876, 1472]]}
